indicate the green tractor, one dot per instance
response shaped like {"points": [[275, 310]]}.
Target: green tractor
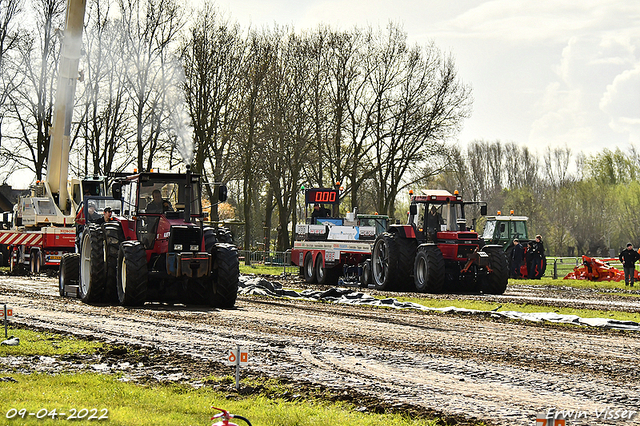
{"points": [[502, 230]]}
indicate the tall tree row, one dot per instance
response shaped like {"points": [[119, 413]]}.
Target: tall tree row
{"points": [[267, 110]]}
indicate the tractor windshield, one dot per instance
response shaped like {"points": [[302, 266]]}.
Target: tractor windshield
{"points": [[437, 217], [160, 196], [489, 229]]}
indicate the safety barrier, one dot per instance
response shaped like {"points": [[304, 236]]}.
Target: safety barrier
{"points": [[557, 267], [279, 259]]}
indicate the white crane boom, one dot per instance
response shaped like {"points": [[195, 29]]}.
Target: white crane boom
{"points": [[58, 161]]}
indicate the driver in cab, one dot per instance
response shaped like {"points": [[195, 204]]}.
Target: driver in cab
{"points": [[158, 205]]}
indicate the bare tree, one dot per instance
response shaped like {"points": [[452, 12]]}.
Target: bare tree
{"points": [[261, 53], [151, 29], [428, 109], [10, 11], [30, 103], [288, 129], [214, 61], [105, 124]]}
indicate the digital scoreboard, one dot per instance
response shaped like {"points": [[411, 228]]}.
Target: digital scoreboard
{"points": [[322, 196]]}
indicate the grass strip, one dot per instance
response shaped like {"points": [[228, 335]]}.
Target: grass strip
{"points": [[130, 404], [47, 344]]}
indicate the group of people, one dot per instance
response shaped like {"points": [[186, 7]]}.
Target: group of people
{"points": [[533, 256], [95, 217]]}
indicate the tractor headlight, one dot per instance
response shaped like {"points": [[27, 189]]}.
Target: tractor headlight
{"points": [[194, 247], [177, 247]]}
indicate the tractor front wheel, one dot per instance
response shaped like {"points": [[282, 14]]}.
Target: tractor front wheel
{"points": [[69, 271], [132, 274], [495, 281], [226, 269], [113, 236], [428, 270], [92, 279]]}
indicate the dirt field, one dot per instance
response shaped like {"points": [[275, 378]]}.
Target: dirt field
{"points": [[459, 366]]}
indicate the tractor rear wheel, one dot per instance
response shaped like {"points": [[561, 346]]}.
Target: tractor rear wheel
{"points": [[392, 262], [113, 236], [309, 269], [92, 279], [132, 274], [495, 282], [226, 269], [69, 271], [428, 271]]}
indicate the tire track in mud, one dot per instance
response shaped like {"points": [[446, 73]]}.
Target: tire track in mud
{"points": [[475, 366]]}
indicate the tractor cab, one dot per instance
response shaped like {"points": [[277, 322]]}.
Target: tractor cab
{"points": [[503, 230], [158, 202], [435, 214]]}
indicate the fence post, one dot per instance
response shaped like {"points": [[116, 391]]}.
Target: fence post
{"points": [[555, 269]]}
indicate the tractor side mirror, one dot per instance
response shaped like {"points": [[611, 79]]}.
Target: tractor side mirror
{"points": [[116, 190], [413, 209], [222, 193], [483, 210]]}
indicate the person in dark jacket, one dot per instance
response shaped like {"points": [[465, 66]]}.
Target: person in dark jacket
{"points": [[628, 257], [535, 259], [517, 256]]}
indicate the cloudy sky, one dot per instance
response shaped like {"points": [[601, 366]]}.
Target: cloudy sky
{"points": [[543, 73]]}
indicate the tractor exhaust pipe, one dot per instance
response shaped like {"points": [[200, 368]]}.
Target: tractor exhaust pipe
{"points": [[187, 197]]}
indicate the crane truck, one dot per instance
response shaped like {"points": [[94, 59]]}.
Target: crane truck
{"points": [[41, 228]]}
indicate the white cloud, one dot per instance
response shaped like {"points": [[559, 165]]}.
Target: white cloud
{"points": [[621, 101]]}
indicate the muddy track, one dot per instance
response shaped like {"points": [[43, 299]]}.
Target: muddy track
{"points": [[475, 367]]}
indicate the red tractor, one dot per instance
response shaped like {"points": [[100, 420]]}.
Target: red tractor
{"points": [[155, 248], [435, 252]]}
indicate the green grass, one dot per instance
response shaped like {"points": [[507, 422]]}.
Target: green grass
{"points": [[45, 343], [129, 404], [266, 270], [584, 284]]}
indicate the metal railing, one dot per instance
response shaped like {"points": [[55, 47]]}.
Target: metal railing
{"points": [[278, 259], [557, 267]]}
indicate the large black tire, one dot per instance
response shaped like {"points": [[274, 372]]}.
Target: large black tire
{"points": [[92, 278], [199, 291], [365, 278], [69, 271], [392, 262], [132, 274], [16, 267], [113, 236], [224, 235], [324, 275], [226, 270], [428, 270], [35, 262], [308, 269], [209, 235], [495, 282]]}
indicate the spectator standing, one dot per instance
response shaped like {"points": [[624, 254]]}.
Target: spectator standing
{"points": [[629, 257], [517, 256], [535, 258]]}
